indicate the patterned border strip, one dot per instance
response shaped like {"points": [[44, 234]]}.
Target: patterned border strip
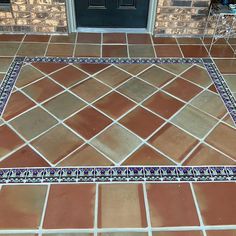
{"points": [[118, 174], [8, 82], [223, 89]]}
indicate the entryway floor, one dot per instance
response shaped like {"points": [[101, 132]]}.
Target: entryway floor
{"points": [[86, 114]]}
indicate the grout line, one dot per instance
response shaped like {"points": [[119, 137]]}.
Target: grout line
{"points": [[46, 50]]}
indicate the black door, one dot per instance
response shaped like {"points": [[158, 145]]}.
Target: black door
{"points": [[112, 13]]}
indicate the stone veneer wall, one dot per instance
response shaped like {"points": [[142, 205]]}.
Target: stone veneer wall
{"points": [[47, 16]]}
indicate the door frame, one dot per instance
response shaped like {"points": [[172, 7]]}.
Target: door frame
{"points": [[71, 21]]}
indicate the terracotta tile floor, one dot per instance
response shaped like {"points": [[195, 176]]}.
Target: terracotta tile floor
{"points": [[106, 115]]}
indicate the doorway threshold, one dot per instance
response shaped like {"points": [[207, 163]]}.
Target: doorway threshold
{"points": [[112, 30]]}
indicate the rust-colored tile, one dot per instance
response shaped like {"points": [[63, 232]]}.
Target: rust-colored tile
{"points": [[92, 68], [221, 232], [25, 157], [64, 50], [89, 38], [69, 76], [121, 206], [70, 207], [48, 68], [42, 90], [178, 233], [204, 155], [114, 51], [86, 156], [21, 207], [87, 50], [32, 49], [164, 40], [163, 104], [146, 156], [124, 234], [37, 38], [141, 122], [223, 138], [88, 122], [11, 37], [221, 51], [228, 119], [66, 234], [168, 51], [111, 102], [54, 147], [194, 51], [17, 104], [63, 38], [113, 76], [216, 202], [141, 50], [90, 90], [139, 39], [189, 40], [208, 40], [112, 38], [171, 205], [173, 141], [182, 89], [8, 140], [226, 66]]}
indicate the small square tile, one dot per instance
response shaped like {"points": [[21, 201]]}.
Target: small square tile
{"points": [[21, 207], [32, 49], [216, 202], [111, 102], [5, 63], [48, 68], [36, 38], [87, 50], [178, 233], [156, 76], [112, 38], [53, 147], [8, 49], [63, 50], [194, 51], [116, 143], [136, 89], [173, 142], [189, 40], [133, 69], [33, 123], [91, 68], [141, 51], [124, 234], [63, 38], [226, 66], [164, 40], [139, 39], [114, 51], [221, 51], [79, 200], [194, 121], [182, 89], [171, 205], [69, 76], [88, 122], [42, 90], [90, 90], [121, 206], [141, 122], [11, 37], [64, 105], [8, 140], [221, 232], [163, 104], [168, 51], [113, 76], [89, 38], [17, 104], [231, 81]]}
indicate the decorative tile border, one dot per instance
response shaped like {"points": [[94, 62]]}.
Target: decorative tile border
{"points": [[117, 174]]}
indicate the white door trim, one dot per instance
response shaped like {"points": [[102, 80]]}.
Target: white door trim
{"points": [[71, 21]]}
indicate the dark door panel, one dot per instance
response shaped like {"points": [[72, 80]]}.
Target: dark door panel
{"points": [[112, 13]]}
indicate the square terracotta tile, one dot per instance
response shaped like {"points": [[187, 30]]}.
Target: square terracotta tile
{"points": [[145, 156], [87, 50], [113, 76], [90, 90], [163, 104], [85, 156], [171, 205], [17, 104], [70, 206], [189, 40], [5, 63], [139, 39], [182, 89], [63, 38], [48, 68], [69, 76], [231, 81], [221, 51], [24, 157], [121, 206], [222, 137], [133, 69], [141, 50], [89, 38], [164, 40], [226, 66], [141, 122], [194, 121], [32, 49], [168, 51], [136, 89], [114, 51], [53, 147], [88, 122], [156, 76], [112, 38], [21, 207], [36, 38], [91, 68], [8, 49], [211, 103], [221, 232], [173, 142], [216, 202], [178, 233], [194, 51], [8, 140], [62, 50], [175, 68], [11, 37], [111, 102], [42, 90], [33, 123], [64, 105], [116, 143], [123, 234], [205, 155]]}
